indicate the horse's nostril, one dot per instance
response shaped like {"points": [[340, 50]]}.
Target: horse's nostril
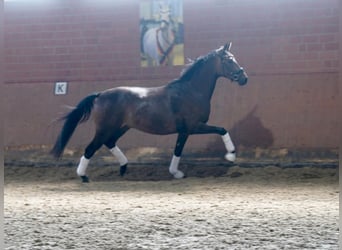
{"points": [[243, 81]]}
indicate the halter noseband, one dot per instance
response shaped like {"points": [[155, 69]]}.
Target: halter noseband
{"points": [[236, 75]]}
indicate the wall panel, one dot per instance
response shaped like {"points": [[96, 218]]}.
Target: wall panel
{"points": [[289, 48]]}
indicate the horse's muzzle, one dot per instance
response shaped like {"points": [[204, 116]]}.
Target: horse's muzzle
{"points": [[242, 81], [242, 77]]}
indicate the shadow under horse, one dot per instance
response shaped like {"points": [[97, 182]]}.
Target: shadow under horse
{"points": [[181, 106]]}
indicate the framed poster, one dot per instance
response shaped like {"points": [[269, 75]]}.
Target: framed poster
{"points": [[161, 32]]}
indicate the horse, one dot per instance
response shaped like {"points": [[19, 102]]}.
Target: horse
{"points": [[182, 106], [158, 42]]}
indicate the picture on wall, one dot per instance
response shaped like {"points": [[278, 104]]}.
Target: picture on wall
{"points": [[161, 32]]}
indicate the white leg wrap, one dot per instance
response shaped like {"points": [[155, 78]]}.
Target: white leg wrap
{"points": [[228, 142], [230, 156], [174, 168], [119, 155], [82, 166]]}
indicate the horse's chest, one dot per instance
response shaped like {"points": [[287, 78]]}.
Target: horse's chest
{"points": [[190, 107]]}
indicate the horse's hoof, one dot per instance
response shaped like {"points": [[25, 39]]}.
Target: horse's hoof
{"points": [[85, 179], [178, 175], [230, 157], [123, 170]]}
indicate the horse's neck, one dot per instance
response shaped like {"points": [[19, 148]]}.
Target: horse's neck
{"points": [[205, 80]]}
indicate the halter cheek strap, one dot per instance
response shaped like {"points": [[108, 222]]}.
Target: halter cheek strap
{"points": [[236, 75]]}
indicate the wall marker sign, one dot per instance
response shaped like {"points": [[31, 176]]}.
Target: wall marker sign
{"points": [[61, 88]]}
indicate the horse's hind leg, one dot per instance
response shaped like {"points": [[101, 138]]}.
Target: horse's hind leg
{"points": [[90, 150], [121, 158], [115, 150]]}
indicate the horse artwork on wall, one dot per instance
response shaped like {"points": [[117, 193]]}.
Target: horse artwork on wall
{"points": [[181, 107], [161, 33]]}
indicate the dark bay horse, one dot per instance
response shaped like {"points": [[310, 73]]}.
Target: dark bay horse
{"points": [[182, 106]]}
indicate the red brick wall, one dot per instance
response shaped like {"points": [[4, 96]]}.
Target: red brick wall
{"points": [[77, 41], [1, 89], [289, 48], [88, 40]]}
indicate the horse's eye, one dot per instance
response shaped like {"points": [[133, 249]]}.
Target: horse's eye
{"points": [[230, 59]]}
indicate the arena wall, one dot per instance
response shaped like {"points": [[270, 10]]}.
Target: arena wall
{"points": [[290, 49]]}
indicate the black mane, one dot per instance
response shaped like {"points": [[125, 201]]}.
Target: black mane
{"points": [[192, 67]]}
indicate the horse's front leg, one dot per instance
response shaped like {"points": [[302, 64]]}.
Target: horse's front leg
{"points": [[203, 128], [181, 140]]}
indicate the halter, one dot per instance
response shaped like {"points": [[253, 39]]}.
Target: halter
{"points": [[236, 75]]}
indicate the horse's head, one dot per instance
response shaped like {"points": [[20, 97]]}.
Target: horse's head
{"points": [[230, 68], [165, 15]]}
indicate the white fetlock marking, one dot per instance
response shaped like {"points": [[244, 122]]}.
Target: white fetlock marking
{"points": [[82, 166], [174, 168], [119, 155]]}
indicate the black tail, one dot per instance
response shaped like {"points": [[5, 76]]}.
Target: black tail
{"points": [[79, 114]]}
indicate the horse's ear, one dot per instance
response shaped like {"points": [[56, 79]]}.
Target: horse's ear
{"points": [[228, 46]]}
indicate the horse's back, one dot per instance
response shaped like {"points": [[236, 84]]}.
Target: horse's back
{"points": [[118, 97], [129, 99], [145, 109]]}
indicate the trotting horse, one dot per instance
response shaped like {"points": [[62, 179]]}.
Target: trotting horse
{"points": [[181, 106]]}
